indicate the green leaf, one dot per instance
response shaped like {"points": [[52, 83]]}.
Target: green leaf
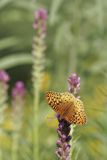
{"points": [[3, 3], [8, 42], [15, 60], [53, 11]]}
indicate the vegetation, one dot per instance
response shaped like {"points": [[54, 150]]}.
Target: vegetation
{"points": [[75, 42]]}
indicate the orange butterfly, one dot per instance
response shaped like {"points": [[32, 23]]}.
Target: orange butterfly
{"points": [[70, 108]]}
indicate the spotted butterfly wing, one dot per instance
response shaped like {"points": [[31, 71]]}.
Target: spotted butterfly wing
{"points": [[69, 108], [76, 115], [60, 102]]}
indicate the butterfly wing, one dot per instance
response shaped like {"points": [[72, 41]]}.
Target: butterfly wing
{"points": [[76, 114], [79, 109], [60, 102]]}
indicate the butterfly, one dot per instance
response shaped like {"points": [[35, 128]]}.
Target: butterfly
{"points": [[67, 106]]}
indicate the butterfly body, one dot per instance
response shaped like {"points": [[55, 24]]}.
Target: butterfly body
{"points": [[69, 107]]}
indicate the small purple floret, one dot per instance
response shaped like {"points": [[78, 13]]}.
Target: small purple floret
{"points": [[41, 14], [19, 89], [40, 20], [4, 77], [74, 84]]}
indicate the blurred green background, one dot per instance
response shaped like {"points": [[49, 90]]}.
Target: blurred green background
{"points": [[76, 42]]}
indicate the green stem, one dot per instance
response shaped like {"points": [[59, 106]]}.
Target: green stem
{"points": [[71, 142], [1, 155], [15, 146], [3, 106], [36, 125]]}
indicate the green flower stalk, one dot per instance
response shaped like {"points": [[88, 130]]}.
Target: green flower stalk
{"points": [[4, 78], [38, 71], [18, 100]]}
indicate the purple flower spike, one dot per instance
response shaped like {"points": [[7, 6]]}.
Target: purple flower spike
{"points": [[40, 21], [64, 127], [19, 89], [4, 77], [63, 147]]}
